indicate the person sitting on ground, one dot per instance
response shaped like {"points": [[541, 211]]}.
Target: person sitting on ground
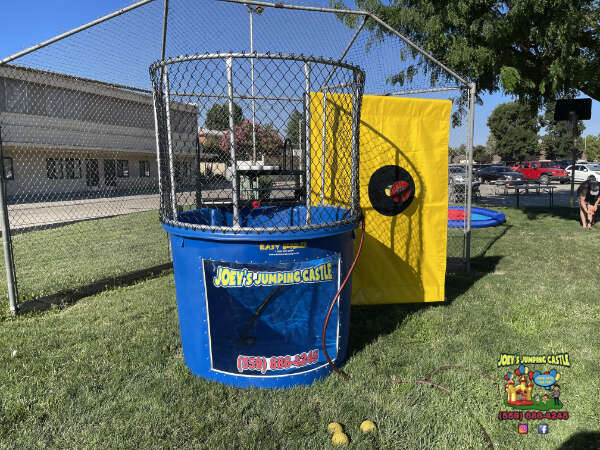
{"points": [[589, 197]]}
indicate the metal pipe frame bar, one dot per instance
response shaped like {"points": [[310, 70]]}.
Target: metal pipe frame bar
{"points": [[164, 34], [7, 240], [157, 133], [354, 168], [324, 148], [424, 91], [261, 229], [242, 55], [234, 175], [358, 13], [84, 27], [251, 11], [244, 97], [170, 143], [467, 244], [158, 104], [307, 141], [346, 50]]}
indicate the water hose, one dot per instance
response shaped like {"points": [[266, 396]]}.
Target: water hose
{"points": [[335, 300], [257, 313]]}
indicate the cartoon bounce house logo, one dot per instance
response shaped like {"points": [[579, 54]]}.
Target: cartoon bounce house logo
{"points": [[528, 389]]}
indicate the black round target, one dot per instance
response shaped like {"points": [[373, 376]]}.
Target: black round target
{"points": [[391, 190]]}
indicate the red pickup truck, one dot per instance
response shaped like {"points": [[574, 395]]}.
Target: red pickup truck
{"points": [[545, 171]]}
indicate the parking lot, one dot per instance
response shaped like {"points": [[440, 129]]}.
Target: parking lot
{"points": [[494, 195]]}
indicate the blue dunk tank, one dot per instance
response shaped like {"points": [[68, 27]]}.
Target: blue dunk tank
{"points": [[259, 249]]}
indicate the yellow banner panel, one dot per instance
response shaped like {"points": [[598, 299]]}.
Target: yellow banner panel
{"points": [[404, 256]]}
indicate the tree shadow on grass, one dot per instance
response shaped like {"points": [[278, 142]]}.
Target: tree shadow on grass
{"points": [[367, 323], [583, 439], [561, 212], [69, 297]]}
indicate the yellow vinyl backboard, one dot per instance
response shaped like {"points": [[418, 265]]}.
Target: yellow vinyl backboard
{"points": [[403, 259]]}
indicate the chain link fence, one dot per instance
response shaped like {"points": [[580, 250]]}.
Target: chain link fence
{"points": [[253, 165], [79, 145]]}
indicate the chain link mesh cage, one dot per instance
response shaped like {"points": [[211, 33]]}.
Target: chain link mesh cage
{"points": [[77, 128], [275, 125]]}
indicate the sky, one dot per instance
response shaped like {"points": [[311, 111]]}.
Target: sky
{"points": [[28, 23]]}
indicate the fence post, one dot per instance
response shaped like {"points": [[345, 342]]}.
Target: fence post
{"points": [[6, 238], [467, 241]]}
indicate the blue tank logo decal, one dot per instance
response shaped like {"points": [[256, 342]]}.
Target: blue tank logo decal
{"points": [[232, 277]]}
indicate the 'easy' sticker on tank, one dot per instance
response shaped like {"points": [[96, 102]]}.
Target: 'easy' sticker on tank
{"points": [[283, 249], [230, 277]]}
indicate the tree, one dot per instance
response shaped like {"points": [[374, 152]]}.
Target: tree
{"points": [[515, 127], [268, 141], [490, 145], [292, 130], [557, 143], [457, 154], [217, 117], [212, 144], [591, 146], [535, 50], [481, 154]]}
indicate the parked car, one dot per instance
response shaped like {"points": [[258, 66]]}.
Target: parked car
{"points": [[502, 173], [544, 171], [457, 174], [563, 163], [584, 171], [457, 182]]}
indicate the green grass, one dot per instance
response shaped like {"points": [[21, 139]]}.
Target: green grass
{"points": [[109, 372], [68, 257]]}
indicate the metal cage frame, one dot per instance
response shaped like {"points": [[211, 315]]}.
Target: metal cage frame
{"points": [[169, 212], [465, 87]]}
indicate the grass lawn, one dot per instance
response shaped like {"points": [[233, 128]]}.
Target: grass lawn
{"points": [[67, 257], [109, 372]]}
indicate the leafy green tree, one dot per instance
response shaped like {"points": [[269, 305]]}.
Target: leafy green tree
{"points": [[515, 128], [490, 145], [557, 143], [591, 146], [212, 144], [292, 130], [217, 117], [536, 50], [457, 153], [481, 154]]}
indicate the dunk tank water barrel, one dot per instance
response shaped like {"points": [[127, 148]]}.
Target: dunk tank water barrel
{"points": [[258, 250]]}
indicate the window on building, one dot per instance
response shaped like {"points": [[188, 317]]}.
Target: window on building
{"points": [[122, 168], [72, 168], [54, 168], [9, 174], [63, 168], [144, 169]]}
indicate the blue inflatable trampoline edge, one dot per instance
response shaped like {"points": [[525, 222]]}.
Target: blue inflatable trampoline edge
{"points": [[494, 218]]}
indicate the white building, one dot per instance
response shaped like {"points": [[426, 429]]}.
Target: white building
{"points": [[65, 137]]}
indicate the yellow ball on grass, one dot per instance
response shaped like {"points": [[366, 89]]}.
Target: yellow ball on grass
{"points": [[334, 427], [367, 427], [339, 439]]}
